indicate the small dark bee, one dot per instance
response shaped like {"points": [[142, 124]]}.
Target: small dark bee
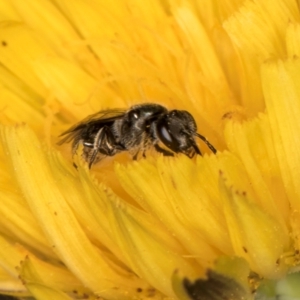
{"points": [[141, 127]]}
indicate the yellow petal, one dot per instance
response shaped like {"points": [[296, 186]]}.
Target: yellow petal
{"points": [[253, 143], [41, 291], [8, 13], [255, 235], [20, 60], [13, 257], [92, 219], [292, 40], [12, 286], [15, 109], [20, 225], [62, 78], [59, 222], [43, 280], [258, 27], [186, 198], [200, 44], [99, 211], [148, 247], [168, 202], [282, 93], [55, 25]]}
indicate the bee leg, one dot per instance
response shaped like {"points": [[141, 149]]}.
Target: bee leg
{"points": [[97, 143], [75, 145], [191, 154], [92, 157], [135, 156], [197, 150], [163, 151]]}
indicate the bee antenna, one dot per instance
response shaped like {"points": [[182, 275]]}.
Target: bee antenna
{"points": [[210, 146]]}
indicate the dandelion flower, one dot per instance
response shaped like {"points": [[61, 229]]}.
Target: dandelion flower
{"points": [[212, 227]]}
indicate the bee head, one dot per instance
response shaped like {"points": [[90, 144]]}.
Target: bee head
{"points": [[176, 130]]}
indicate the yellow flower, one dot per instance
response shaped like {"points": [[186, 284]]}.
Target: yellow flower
{"points": [[215, 226]]}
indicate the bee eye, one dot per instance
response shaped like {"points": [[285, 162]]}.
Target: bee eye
{"points": [[165, 135]]}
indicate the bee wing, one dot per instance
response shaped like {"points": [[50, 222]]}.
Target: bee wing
{"points": [[102, 117]]}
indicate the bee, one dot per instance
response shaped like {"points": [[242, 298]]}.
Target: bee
{"points": [[135, 130]]}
